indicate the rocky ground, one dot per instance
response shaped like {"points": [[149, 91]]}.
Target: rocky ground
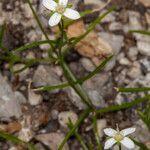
{"points": [[40, 116]]}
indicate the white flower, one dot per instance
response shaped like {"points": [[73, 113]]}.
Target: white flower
{"points": [[119, 137], [60, 9]]}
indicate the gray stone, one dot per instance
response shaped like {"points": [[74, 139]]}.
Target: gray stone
{"points": [[116, 41], [9, 101], [114, 26], [46, 75], [52, 140], [144, 48], [87, 64]]}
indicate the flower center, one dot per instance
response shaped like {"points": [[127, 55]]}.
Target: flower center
{"points": [[118, 137], [60, 9]]}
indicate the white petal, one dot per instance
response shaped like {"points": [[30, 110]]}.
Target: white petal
{"points": [[110, 132], [49, 4], [127, 131], [109, 143], [128, 143], [71, 14], [63, 2], [55, 19]]}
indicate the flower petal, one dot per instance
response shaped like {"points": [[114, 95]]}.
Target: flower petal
{"points": [[63, 2], [128, 143], [55, 19], [109, 143], [49, 4], [71, 14], [127, 131], [110, 132]]}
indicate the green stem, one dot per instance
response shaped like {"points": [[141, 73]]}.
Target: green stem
{"points": [[124, 105], [68, 73], [77, 87], [99, 146], [77, 124], [132, 90], [70, 125]]}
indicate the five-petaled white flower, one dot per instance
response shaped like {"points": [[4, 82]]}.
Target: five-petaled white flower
{"points": [[59, 10], [119, 137]]}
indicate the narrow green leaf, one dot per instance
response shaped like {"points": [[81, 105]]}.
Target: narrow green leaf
{"points": [[140, 32], [95, 129], [31, 45], [124, 105], [145, 119], [132, 90], [77, 135]]}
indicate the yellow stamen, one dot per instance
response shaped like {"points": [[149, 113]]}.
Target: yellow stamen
{"points": [[60, 9], [118, 137]]}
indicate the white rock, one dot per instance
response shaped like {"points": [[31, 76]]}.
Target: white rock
{"points": [[66, 117], [52, 140], [124, 61], [135, 71], [144, 48], [101, 124], [115, 26], [132, 53], [134, 20], [25, 134], [34, 99]]}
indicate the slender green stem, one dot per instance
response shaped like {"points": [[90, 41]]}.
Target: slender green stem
{"points": [[99, 146], [70, 125], [142, 89], [124, 105], [77, 124], [71, 79], [140, 32], [68, 73]]}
